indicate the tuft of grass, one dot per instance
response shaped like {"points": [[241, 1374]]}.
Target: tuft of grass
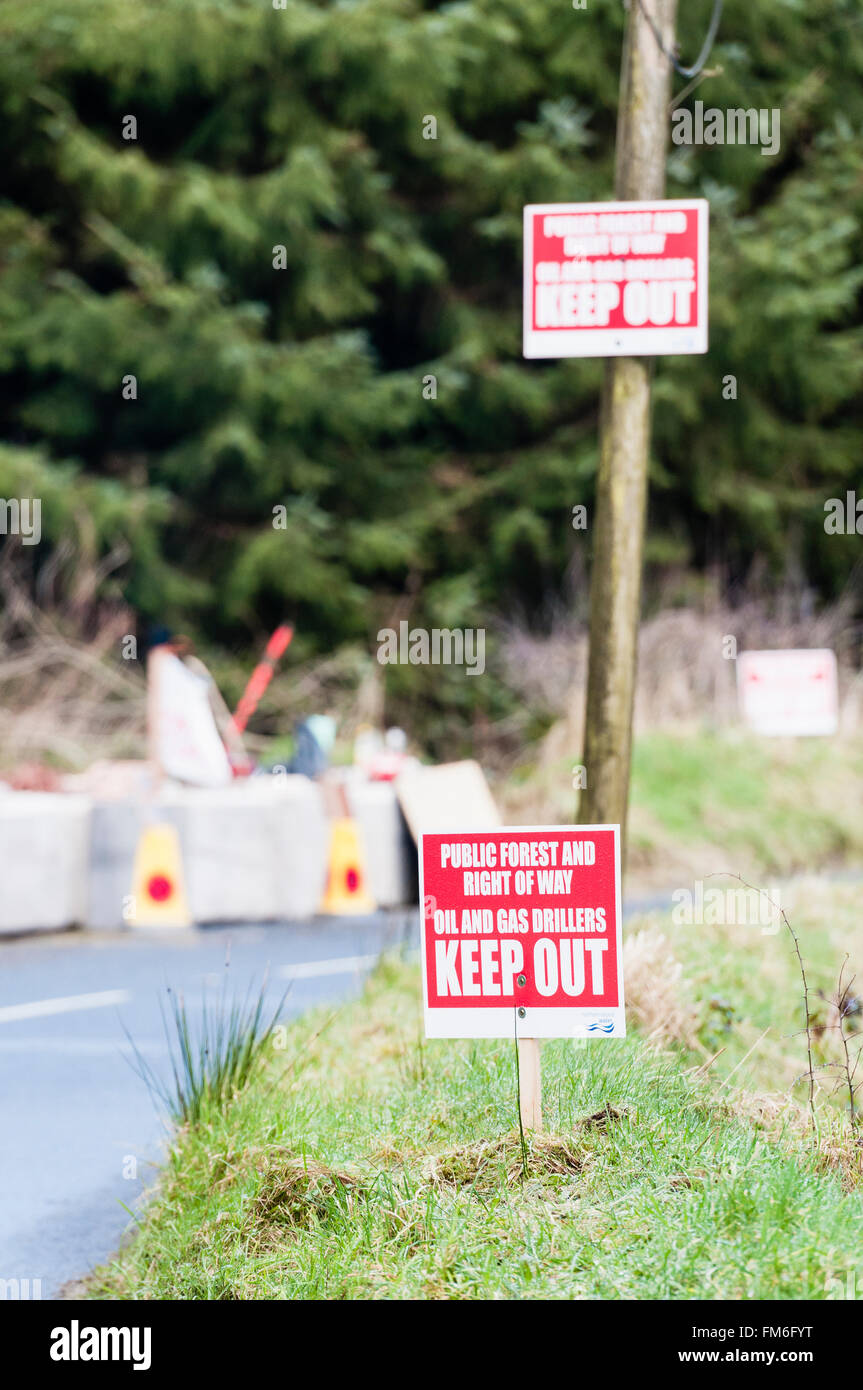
{"points": [[504, 1161], [211, 1059], [295, 1191], [655, 999]]}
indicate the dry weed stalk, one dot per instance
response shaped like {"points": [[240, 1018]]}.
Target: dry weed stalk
{"points": [[808, 1016], [842, 1006]]}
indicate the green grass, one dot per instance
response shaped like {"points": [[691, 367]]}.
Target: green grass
{"points": [[364, 1162], [779, 807]]}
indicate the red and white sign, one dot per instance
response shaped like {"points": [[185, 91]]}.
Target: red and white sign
{"points": [[789, 692], [615, 279], [522, 932]]}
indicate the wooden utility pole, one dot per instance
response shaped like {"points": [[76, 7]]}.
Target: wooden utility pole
{"points": [[621, 493]]}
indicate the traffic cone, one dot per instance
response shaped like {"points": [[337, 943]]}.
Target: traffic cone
{"points": [[346, 891], [158, 890]]}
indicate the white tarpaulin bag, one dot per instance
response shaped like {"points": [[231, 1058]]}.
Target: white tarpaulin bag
{"points": [[187, 742]]}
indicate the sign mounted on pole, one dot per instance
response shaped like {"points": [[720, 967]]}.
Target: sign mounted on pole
{"points": [[615, 279], [522, 932]]}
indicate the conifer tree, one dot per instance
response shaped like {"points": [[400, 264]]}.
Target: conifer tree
{"points": [[255, 257]]}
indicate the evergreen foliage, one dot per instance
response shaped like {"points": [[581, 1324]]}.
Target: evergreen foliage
{"points": [[306, 387]]}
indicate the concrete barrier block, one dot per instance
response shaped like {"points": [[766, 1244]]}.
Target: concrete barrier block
{"points": [[43, 860], [389, 850], [252, 852], [229, 857], [255, 851], [304, 846]]}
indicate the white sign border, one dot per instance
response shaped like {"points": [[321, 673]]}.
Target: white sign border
{"points": [[613, 342], [569, 1022]]}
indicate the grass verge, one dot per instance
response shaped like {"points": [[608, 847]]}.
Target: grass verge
{"points": [[364, 1162], [779, 806]]}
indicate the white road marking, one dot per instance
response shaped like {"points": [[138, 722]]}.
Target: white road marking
{"points": [[81, 1047], [316, 969], [67, 1004]]}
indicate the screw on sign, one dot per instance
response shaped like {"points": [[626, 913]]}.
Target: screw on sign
{"points": [[522, 937]]}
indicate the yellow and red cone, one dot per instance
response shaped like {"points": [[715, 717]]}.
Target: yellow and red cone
{"points": [[346, 892], [158, 896]]}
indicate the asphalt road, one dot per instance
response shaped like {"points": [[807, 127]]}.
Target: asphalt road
{"points": [[80, 1134]]}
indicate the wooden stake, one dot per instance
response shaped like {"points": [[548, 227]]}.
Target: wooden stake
{"points": [[530, 1083]]}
